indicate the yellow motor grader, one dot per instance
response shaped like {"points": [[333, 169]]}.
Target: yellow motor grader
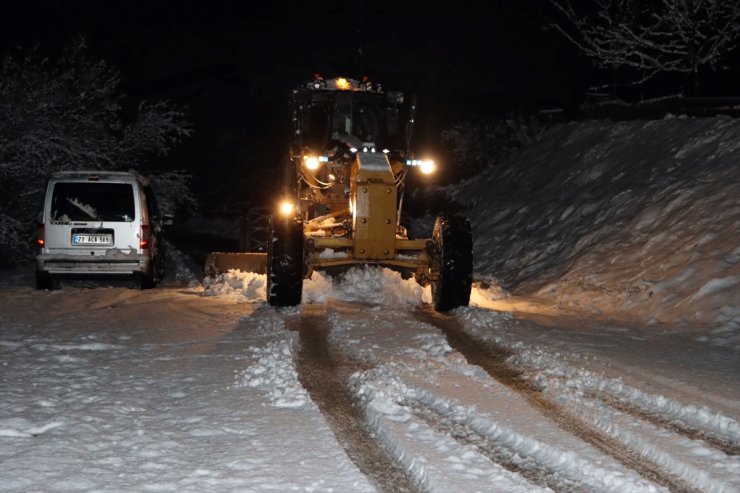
{"points": [[342, 192]]}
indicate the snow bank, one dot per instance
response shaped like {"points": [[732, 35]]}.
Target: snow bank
{"points": [[633, 220], [237, 284]]}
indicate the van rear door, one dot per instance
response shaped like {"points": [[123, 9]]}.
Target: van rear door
{"points": [[92, 215]]}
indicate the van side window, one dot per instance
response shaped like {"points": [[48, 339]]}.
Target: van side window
{"points": [[85, 201], [151, 202]]}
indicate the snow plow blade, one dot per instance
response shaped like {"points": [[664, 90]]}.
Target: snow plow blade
{"points": [[222, 262]]}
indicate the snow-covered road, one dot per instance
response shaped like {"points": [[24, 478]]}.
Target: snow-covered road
{"points": [[361, 388]]}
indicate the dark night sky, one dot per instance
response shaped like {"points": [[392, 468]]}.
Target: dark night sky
{"points": [[495, 45], [233, 63]]}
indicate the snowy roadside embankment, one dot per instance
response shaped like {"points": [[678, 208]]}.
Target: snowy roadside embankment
{"points": [[635, 220]]}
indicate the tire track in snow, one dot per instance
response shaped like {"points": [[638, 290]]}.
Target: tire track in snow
{"points": [[506, 458], [418, 383], [667, 423], [398, 348], [324, 376], [587, 396], [492, 358]]}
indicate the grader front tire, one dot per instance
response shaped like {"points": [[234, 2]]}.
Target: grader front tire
{"points": [[452, 262], [285, 261]]}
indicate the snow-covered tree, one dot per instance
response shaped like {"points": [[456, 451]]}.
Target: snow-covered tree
{"points": [[653, 36], [174, 194], [65, 112]]}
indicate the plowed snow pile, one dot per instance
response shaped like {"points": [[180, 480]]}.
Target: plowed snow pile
{"points": [[636, 221], [366, 284]]}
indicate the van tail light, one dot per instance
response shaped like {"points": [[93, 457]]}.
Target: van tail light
{"points": [[144, 237], [40, 238]]}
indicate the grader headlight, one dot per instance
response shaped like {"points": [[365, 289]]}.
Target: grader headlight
{"points": [[287, 208], [426, 166], [312, 162]]}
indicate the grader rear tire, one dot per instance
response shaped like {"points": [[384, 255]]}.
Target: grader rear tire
{"points": [[452, 263], [285, 261]]}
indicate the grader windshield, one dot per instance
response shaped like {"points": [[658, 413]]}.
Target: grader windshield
{"points": [[350, 112]]}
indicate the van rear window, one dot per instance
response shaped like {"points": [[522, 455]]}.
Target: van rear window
{"points": [[92, 201]]}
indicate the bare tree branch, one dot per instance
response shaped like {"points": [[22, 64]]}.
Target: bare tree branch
{"points": [[658, 36]]}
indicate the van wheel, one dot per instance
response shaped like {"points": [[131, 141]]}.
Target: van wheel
{"points": [[44, 281], [145, 280]]}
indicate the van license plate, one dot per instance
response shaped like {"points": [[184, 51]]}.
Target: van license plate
{"points": [[79, 239]]}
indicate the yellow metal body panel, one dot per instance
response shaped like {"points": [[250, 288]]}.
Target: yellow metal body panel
{"points": [[374, 238], [410, 264], [412, 254], [374, 202]]}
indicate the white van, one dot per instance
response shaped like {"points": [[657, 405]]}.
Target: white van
{"points": [[99, 223]]}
